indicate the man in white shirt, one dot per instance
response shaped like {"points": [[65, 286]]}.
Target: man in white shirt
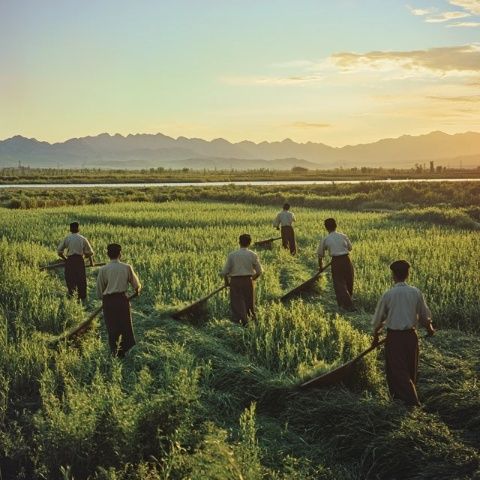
{"points": [[241, 269], [112, 284], [77, 247], [339, 246], [284, 221], [400, 310]]}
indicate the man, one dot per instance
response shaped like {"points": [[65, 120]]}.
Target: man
{"points": [[284, 221], [400, 310], [241, 269], [77, 247], [339, 247], [112, 284]]}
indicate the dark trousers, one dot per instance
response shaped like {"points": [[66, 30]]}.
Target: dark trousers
{"points": [[242, 299], [342, 276], [75, 276], [118, 320], [288, 239], [401, 365]]}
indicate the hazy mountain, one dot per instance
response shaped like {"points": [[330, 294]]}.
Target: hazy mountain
{"points": [[145, 150]]}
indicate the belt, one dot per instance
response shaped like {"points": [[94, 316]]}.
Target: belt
{"points": [[241, 276], [114, 294], [339, 256]]}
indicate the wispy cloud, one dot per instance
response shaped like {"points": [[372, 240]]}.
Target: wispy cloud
{"points": [[471, 6], [309, 125], [441, 61], [458, 99], [271, 80], [464, 25], [446, 17], [420, 12]]}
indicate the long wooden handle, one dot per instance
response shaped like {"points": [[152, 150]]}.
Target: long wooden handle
{"points": [[52, 266], [79, 328]]}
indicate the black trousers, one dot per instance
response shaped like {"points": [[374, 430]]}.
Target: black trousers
{"points": [[118, 321], [342, 276], [75, 276], [242, 299], [401, 365], [288, 239]]}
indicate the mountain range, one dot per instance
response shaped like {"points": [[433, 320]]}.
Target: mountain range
{"points": [[158, 150]]}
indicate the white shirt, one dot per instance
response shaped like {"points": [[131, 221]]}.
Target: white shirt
{"points": [[75, 244], [242, 262], [115, 278], [336, 243], [401, 308], [284, 218]]}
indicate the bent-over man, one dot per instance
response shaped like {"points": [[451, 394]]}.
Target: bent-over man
{"points": [[284, 221], [77, 247], [400, 310], [241, 269], [112, 285], [339, 247]]}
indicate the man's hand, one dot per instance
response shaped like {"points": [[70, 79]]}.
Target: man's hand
{"points": [[320, 264], [375, 339], [430, 330], [62, 256], [92, 262], [227, 281], [137, 291]]}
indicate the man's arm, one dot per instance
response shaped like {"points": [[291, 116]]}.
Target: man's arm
{"points": [[321, 254], [101, 284], [424, 315], [61, 249], [226, 271], [349, 244], [134, 281], [257, 267], [276, 222], [378, 319], [88, 252]]}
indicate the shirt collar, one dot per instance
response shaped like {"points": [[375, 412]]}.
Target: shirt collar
{"points": [[115, 260], [401, 284]]}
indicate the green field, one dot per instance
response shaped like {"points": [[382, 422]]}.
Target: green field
{"points": [[207, 399]]}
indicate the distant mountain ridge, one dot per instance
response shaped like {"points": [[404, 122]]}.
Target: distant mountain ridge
{"points": [[158, 150]]}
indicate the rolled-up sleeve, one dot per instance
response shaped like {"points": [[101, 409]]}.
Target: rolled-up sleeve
{"points": [[133, 279], [87, 248], [423, 312], [61, 246], [257, 266], [380, 313], [321, 249], [101, 284], [227, 268], [349, 244]]}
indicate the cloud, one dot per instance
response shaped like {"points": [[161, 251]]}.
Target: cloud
{"points": [[471, 6], [441, 61], [464, 25], [308, 125], [420, 12], [446, 17], [461, 99]]}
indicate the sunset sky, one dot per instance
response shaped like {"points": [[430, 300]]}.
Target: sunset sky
{"points": [[338, 72]]}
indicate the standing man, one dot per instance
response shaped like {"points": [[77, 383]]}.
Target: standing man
{"points": [[77, 247], [339, 247], [284, 221], [112, 285], [400, 310], [241, 269]]}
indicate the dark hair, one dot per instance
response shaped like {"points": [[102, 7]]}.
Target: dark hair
{"points": [[286, 206], [330, 224], [114, 250], [400, 269], [74, 226], [245, 240]]}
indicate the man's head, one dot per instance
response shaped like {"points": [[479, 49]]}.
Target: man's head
{"points": [[330, 224], [74, 227], [114, 251], [400, 270], [245, 240], [286, 206]]}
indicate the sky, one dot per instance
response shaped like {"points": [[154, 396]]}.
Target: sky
{"points": [[337, 72]]}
